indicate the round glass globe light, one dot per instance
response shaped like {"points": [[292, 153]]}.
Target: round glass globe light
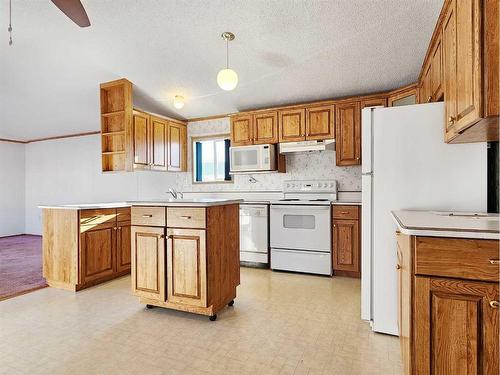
{"points": [[227, 79], [178, 101]]}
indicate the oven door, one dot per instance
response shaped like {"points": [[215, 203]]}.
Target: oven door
{"points": [[249, 158], [301, 227]]}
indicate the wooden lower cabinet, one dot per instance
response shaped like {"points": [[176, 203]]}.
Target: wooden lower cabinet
{"points": [[195, 268], [123, 252], [456, 327], [148, 262], [97, 253], [84, 247], [186, 266], [447, 325], [346, 241]]}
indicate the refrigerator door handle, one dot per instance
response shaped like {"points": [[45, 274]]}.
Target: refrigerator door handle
{"points": [[367, 174]]}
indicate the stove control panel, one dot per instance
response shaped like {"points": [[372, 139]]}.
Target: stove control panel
{"points": [[310, 186]]}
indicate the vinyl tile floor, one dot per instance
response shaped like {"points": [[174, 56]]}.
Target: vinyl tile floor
{"points": [[281, 323]]}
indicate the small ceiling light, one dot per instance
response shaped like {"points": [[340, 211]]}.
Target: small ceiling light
{"points": [[178, 101], [227, 79]]}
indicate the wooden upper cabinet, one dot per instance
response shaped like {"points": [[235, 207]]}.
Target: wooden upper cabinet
{"points": [[450, 71], [148, 262], [457, 329], [468, 52], [184, 148], [292, 125], [348, 133], [242, 130], [374, 102], [265, 127], [425, 88], [186, 267], [140, 124], [404, 96], [158, 142], [436, 87], [175, 146], [320, 122]]}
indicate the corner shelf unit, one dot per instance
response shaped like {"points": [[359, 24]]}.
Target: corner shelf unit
{"points": [[116, 125]]}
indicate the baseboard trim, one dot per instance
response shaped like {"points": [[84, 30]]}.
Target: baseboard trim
{"points": [[17, 294], [21, 234]]}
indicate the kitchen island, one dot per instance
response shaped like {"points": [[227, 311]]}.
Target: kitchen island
{"points": [[448, 274], [182, 253]]}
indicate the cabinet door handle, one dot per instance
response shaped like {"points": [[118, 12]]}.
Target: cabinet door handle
{"points": [[334, 225], [185, 217], [119, 228], [451, 120], [398, 233], [398, 267], [494, 261], [115, 228], [161, 236], [429, 99], [147, 215], [494, 304], [344, 212]]}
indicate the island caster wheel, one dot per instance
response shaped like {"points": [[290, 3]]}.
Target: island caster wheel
{"points": [[213, 318], [149, 306], [231, 303]]}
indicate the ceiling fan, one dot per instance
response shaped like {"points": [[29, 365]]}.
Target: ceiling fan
{"points": [[71, 8], [74, 10]]}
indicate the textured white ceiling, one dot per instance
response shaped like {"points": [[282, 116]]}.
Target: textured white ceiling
{"points": [[284, 52]]}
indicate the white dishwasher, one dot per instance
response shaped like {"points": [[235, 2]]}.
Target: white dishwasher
{"points": [[254, 234]]}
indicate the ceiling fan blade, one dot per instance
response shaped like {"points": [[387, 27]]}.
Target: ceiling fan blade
{"points": [[74, 10]]}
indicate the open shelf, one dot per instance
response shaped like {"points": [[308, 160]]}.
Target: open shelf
{"points": [[119, 132], [113, 152], [111, 114]]}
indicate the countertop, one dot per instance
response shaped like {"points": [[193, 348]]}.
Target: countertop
{"points": [[164, 203], [448, 224]]}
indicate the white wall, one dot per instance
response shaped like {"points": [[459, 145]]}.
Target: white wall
{"points": [[301, 166], [67, 171], [11, 188]]}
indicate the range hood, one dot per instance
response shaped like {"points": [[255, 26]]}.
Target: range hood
{"points": [[305, 146]]}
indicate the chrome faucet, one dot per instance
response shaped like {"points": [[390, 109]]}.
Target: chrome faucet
{"points": [[175, 194]]}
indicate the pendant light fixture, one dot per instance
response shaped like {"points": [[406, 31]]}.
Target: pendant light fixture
{"points": [[227, 79], [178, 101]]}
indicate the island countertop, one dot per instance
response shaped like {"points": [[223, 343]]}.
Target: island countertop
{"points": [[448, 224], [206, 202]]}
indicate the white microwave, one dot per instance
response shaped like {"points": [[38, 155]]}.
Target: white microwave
{"points": [[256, 158]]}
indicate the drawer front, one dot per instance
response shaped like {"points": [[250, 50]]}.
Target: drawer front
{"points": [[346, 212], [148, 216], [103, 217], [460, 258], [123, 214], [185, 217]]}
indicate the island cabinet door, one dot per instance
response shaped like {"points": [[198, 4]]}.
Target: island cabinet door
{"points": [[97, 252], [456, 327], [123, 254], [186, 267], [148, 262]]}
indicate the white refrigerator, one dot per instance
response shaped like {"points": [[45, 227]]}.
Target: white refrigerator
{"points": [[407, 165]]}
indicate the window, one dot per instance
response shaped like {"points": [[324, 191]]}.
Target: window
{"points": [[211, 160]]}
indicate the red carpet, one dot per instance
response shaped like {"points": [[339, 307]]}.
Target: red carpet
{"points": [[20, 265]]}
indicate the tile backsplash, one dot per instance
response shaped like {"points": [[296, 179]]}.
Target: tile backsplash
{"points": [[301, 166]]}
